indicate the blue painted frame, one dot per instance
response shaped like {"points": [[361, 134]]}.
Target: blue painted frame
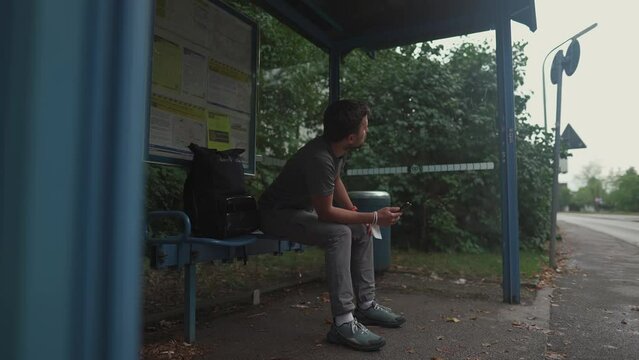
{"points": [[507, 158], [75, 75]]}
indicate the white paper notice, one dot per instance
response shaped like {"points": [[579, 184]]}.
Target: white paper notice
{"points": [[194, 74], [227, 91], [186, 131], [160, 128]]}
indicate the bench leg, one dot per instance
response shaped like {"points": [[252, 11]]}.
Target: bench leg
{"points": [[189, 303]]}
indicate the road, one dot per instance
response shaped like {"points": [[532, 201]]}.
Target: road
{"points": [[623, 227], [594, 312]]}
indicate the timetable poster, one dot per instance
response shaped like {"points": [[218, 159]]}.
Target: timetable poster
{"points": [[203, 80]]}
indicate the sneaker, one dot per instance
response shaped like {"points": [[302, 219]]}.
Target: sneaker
{"points": [[355, 335], [379, 315]]}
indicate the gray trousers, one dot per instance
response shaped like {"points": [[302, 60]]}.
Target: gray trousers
{"points": [[348, 253]]}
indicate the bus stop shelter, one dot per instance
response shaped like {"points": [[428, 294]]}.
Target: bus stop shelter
{"points": [[73, 105]]}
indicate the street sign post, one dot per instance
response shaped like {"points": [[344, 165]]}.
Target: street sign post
{"points": [[560, 64]]}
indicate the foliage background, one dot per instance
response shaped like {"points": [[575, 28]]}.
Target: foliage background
{"points": [[430, 106], [618, 191]]}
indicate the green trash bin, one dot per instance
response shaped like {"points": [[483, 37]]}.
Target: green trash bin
{"points": [[369, 201]]}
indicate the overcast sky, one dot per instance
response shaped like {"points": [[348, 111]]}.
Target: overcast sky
{"points": [[600, 100]]}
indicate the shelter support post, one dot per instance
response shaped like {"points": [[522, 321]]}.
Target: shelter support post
{"points": [[508, 158], [189, 302], [74, 96], [333, 75]]}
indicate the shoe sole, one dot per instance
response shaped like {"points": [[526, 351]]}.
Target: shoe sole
{"points": [[336, 339]]}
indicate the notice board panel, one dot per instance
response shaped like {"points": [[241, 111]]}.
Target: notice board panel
{"points": [[203, 81]]}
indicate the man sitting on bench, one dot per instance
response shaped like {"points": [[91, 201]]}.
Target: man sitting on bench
{"points": [[299, 205]]}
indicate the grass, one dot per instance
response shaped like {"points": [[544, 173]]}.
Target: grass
{"points": [[267, 271], [264, 271], [164, 288], [483, 265]]}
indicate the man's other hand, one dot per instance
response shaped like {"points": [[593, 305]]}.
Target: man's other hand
{"points": [[388, 216]]}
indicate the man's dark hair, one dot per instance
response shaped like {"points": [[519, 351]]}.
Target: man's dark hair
{"points": [[343, 117]]}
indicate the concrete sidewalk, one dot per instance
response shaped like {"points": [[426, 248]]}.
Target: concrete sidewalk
{"points": [[445, 321], [591, 313]]}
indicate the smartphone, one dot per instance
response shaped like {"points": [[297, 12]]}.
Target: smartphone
{"points": [[405, 206]]}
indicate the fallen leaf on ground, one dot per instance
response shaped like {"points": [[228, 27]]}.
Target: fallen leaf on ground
{"points": [[410, 350], [172, 349], [452, 319], [550, 355], [299, 306], [325, 298]]}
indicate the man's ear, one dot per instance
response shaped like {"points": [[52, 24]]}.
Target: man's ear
{"points": [[351, 138]]}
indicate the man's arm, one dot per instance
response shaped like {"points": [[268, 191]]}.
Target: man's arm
{"points": [[327, 212], [341, 195]]}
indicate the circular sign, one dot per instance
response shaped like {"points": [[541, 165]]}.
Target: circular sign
{"points": [[572, 57], [557, 67], [414, 169]]}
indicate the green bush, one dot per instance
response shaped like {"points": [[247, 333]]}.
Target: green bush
{"points": [[430, 106]]}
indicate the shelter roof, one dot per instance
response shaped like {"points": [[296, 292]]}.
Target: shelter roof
{"points": [[378, 24]]}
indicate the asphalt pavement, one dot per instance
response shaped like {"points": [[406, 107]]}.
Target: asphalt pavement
{"points": [[595, 305], [591, 312], [622, 227]]}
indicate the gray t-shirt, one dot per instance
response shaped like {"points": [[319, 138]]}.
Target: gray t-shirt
{"points": [[312, 171]]}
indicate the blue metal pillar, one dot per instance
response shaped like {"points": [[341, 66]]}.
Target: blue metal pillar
{"points": [[508, 157], [189, 302], [335, 57], [72, 118]]}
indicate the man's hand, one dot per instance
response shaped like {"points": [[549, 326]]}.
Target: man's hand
{"points": [[388, 216]]}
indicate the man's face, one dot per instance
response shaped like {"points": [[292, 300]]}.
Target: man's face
{"points": [[360, 137]]}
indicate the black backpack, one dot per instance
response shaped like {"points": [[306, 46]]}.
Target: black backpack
{"points": [[215, 197]]}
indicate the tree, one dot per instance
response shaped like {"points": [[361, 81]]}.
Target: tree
{"points": [[591, 170], [591, 195], [431, 108], [625, 193], [565, 197]]}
